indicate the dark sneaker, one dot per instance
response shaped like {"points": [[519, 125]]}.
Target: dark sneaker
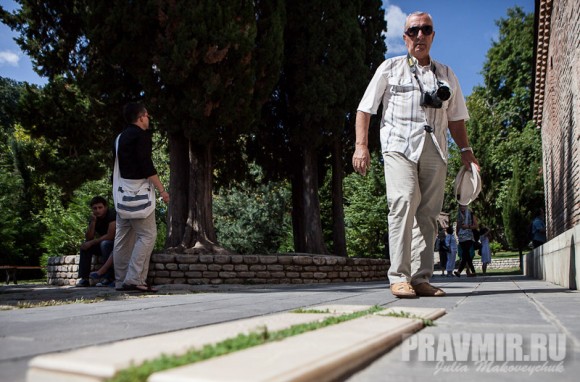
{"points": [[83, 283], [95, 276]]}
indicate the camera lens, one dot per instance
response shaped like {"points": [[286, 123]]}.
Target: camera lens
{"points": [[443, 93]]}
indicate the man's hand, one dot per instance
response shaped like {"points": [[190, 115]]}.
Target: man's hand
{"points": [[361, 159], [87, 244], [467, 158]]}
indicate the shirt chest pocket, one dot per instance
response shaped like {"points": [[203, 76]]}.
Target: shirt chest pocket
{"points": [[401, 91]]}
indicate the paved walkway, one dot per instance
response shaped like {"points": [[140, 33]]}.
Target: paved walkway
{"points": [[510, 309]]}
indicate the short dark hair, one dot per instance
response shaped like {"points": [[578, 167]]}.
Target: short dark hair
{"points": [[97, 200], [132, 111], [449, 230]]}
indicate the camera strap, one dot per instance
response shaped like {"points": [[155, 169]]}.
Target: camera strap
{"points": [[413, 67]]}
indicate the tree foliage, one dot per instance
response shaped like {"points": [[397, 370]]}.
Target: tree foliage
{"points": [[252, 217], [366, 211], [501, 130]]}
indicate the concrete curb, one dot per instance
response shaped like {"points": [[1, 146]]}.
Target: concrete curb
{"points": [[322, 355], [97, 363]]}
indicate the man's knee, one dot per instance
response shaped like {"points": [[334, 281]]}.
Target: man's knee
{"points": [[106, 247]]}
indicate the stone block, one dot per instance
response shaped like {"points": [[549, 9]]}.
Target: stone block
{"points": [[210, 274], [162, 258], [158, 266], [206, 259], [275, 267], [193, 274], [241, 267], [320, 275], [228, 275], [171, 266], [198, 267], [237, 259], [258, 267], [228, 267], [319, 260], [302, 260], [246, 274], [176, 274], [186, 259], [162, 273], [268, 259], [284, 260], [221, 259], [251, 259], [214, 267]]}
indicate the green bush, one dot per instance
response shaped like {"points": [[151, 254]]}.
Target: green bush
{"points": [[366, 212], [495, 247], [251, 217], [66, 226]]}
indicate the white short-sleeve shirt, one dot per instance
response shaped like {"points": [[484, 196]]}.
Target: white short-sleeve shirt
{"points": [[404, 119]]}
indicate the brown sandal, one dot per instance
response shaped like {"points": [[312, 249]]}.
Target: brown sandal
{"points": [[403, 290]]}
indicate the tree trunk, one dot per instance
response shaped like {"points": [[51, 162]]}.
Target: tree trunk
{"points": [[190, 218], [308, 236], [178, 188], [338, 230], [199, 231]]}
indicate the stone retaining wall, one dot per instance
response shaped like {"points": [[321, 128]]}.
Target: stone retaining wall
{"points": [[239, 269], [498, 263]]}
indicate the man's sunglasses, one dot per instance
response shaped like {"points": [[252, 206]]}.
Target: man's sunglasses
{"points": [[414, 31]]}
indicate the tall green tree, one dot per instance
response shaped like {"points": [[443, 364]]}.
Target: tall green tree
{"points": [[323, 74], [203, 68], [21, 194], [501, 130]]}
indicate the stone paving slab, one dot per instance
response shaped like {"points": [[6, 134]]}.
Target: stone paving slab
{"points": [[322, 355]]}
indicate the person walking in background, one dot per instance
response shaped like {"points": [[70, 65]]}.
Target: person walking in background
{"points": [[135, 238], [442, 249], [451, 243], [100, 236], [466, 222], [539, 229], [485, 250], [421, 100]]}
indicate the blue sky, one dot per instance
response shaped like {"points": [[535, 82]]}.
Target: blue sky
{"points": [[464, 31]]}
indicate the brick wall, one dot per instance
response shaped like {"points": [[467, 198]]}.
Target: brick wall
{"points": [[239, 269], [560, 123]]}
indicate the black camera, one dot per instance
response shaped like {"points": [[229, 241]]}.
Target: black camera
{"points": [[435, 98]]}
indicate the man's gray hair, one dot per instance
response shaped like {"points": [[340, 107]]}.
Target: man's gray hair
{"points": [[417, 13]]}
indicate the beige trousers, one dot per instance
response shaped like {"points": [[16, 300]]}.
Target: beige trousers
{"points": [[415, 197], [134, 242]]}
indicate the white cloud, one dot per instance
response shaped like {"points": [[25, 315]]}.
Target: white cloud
{"points": [[9, 58], [395, 25]]}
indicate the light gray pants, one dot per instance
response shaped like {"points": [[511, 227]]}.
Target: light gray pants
{"points": [[134, 242], [415, 197]]}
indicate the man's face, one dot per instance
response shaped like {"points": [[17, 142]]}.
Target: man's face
{"points": [[99, 210], [417, 37]]}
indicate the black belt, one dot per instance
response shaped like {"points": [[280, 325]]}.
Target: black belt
{"points": [[429, 129]]}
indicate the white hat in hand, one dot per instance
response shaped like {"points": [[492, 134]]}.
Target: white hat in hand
{"points": [[467, 184]]}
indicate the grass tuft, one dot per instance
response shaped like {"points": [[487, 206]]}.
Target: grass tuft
{"points": [[140, 373]]}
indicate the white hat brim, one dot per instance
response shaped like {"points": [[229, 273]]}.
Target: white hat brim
{"points": [[467, 185]]}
